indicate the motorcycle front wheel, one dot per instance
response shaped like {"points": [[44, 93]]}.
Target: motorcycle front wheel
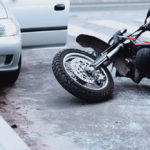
{"points": [[69, 67]]}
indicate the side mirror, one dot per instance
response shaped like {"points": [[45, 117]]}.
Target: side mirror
{"points": [[148, 15]]}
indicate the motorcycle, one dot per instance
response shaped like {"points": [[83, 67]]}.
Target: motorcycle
{"points": [[86, 75]]}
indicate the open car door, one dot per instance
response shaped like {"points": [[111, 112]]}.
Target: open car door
{"points": [[42, 22]]}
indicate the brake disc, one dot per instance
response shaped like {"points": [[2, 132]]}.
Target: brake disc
{"points": [[78, 66]]}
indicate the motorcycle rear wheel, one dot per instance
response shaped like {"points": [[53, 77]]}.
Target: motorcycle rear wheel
{"points": [[68, 68]]}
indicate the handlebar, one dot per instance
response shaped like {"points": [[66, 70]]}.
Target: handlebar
{"points": [[145, 27], [116, 38], [142, 29]]}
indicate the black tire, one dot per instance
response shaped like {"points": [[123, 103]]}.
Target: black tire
{"points": [[10, 77], [143, 61], [73, 87]]}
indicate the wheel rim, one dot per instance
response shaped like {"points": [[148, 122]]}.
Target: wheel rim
{"points": [[75, 64]]}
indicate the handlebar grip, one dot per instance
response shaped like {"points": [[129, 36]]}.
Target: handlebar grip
{"points": [[145, 27]]}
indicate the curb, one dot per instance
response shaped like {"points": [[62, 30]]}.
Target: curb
{"points": [[9, 140]]}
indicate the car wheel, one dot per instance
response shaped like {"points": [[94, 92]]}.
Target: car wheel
{"points": [[10, 77]]}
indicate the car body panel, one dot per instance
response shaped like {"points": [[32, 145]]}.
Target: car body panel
{"points": [[44, 38], [3, 11], [40, 16], [9, 45]]}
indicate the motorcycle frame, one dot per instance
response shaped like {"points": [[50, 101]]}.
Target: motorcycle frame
{"points": [[106, 56]]}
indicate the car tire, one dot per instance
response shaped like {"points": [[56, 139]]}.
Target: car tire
{"points": [[10, 77]]}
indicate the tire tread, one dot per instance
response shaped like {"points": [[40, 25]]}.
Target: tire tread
{"points": [[74, 88]]}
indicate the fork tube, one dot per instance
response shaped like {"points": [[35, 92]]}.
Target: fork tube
{"points": [[100, 60], [113, 52]]}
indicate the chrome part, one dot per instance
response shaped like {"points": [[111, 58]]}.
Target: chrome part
{"points": [[114, 51], [106, 56], [99, 61], [127, 41], [78, 67]]}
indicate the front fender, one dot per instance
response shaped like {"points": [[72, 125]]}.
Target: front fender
{"points": [[92, 42]]}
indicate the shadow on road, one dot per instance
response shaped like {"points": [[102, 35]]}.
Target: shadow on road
{"points": [[69, 101], [132, 88]]}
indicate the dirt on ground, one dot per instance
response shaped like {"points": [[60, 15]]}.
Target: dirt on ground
{"points": [[9, 112]]}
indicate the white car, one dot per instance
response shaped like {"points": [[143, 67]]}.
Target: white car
{"points": [[10, 46], [41, 22]]}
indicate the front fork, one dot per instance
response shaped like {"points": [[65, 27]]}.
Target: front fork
{"points": [[106, 56]]}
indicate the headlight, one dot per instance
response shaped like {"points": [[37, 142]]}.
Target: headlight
{"points": [[7, 27]]}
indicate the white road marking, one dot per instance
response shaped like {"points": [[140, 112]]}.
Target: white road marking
{"points": [[77, 30], [118, 25]]}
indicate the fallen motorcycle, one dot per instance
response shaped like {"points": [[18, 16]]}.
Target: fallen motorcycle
{"points": [[86, 75]]}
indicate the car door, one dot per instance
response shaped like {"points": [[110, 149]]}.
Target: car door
{"points": [[43, 22]]}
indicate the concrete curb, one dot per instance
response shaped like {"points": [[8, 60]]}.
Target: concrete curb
{"points": [[9, 140]]}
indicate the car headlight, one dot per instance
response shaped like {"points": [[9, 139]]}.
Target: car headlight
{"points": [[7, 27]]}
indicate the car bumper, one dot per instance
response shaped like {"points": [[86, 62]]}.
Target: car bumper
{"points": [[10, 52]]}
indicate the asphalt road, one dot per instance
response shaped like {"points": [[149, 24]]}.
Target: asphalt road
{"points": [[49, 118]]}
